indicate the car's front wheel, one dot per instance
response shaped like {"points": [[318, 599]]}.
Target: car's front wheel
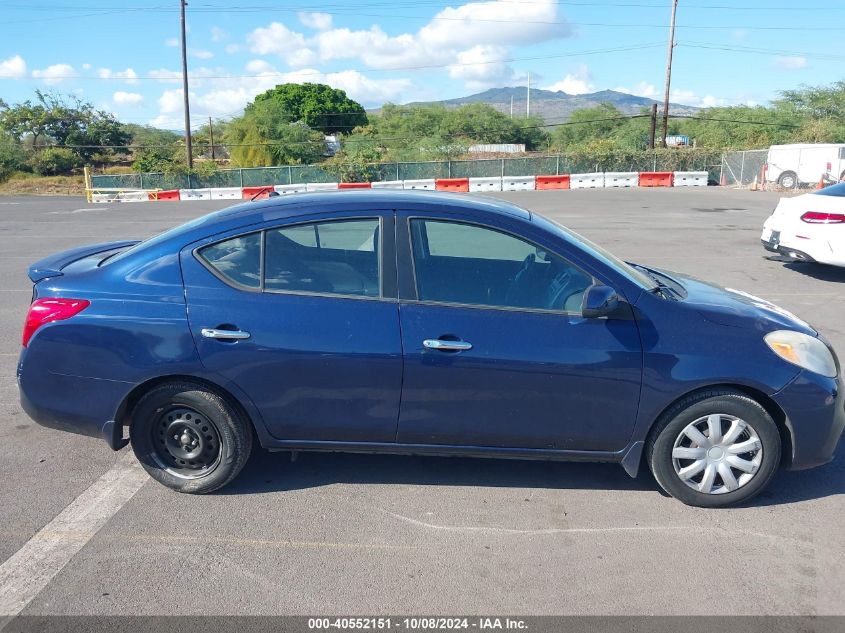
{"points": [[714, 449], [189, 438]]}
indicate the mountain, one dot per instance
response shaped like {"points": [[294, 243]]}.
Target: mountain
{"points": [[556, 107]]}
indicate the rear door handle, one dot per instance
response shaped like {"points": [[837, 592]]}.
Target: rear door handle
{"points": [[224, 335], [446, 346]]}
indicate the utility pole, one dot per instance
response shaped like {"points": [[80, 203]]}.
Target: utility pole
{"points": [[528, 98], [188, 148], [653, 127], [211, 134], [669, 72]]}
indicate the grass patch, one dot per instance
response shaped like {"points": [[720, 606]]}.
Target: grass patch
{"points": [[21, 184]]}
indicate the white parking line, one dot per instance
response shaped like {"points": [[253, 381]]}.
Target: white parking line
{"points": [[33, 566]]}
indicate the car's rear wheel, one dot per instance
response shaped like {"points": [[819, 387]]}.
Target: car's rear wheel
{"points": [[788, 180], [714, 449], [189, 438]]}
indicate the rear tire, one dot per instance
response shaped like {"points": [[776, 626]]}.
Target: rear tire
{"points": [[189, 438], [713, 474]]}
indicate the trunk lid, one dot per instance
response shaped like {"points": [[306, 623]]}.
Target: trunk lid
{"points": [[80, 258]]}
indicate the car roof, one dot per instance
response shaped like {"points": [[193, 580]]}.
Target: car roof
{"points": [[300, 204]]}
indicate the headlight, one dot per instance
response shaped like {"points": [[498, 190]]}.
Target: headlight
{"points": [[802, 350]]}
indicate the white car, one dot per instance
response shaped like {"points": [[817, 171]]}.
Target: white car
{"points": [[810, 227]]}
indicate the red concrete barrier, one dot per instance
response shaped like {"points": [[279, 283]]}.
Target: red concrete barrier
{"points": [[172, 194], [552, 182], [353, 185], [452, 184], [257, 193], [655, 179]]}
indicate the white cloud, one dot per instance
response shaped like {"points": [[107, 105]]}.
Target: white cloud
{"points": [[227, 96], [172, 42], [454, 33], [795, 62], [481, 67], [127, 98], [218, 34], [55, 74], [233, 48], [280, 40], [690, 98], [575, 83], [129, 76], [200, 53], [315, 20], [86, 66], [13, 68], [642, 89]]}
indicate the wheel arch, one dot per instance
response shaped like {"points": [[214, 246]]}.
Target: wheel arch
{"points": [[124, 410], [760, 397]]}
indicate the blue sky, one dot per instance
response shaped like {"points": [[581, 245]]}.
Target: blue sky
{"points": [[124, 56]]}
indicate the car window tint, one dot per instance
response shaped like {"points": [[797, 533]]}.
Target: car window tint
{"points": [[238, 259], [474, 265], [837, 190], [341, 259]]}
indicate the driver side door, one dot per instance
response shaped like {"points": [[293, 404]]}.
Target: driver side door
{"points": [[496, 352]]}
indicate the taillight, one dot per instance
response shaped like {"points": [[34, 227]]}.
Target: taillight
{"points": [[43, 311], [816, 217]]}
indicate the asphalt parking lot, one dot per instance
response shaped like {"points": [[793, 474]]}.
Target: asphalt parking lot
{"points": [[357, 534]]}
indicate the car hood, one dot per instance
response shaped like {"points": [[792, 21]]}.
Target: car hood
{"points": [[736, 308]]}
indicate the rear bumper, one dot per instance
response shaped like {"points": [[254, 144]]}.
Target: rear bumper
{"points": [[85, 406], [815, 410]]}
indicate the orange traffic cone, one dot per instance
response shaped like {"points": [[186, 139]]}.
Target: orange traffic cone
{"points": [[754, 184], [821, 183]]}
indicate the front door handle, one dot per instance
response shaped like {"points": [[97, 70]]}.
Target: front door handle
{"points": [[224, 335], [446, 346]]}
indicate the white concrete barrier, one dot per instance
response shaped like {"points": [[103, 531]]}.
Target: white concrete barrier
{"points": [[226, 193], [427, 184], [388, 184], [195, 194], [294, 188], [102, 198], [586, 181], [320, 186], [518, 183], [691, 178], [621, 178], [482, 184]]}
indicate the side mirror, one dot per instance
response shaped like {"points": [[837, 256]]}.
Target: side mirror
{"points": [[599, 301]]}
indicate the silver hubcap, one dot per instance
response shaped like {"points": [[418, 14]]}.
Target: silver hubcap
{"points": [[717, 453]]}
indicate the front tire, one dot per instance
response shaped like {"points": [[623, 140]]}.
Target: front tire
{"points": [[788, 180], [189, 438], [714, 449]]}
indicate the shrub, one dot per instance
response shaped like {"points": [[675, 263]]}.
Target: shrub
{"points": [[54, 161]]}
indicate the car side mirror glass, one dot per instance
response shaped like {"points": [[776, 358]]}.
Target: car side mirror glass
{"points": [[599, 301]]}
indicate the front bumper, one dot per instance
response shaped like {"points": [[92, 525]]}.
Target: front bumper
{"points": [[815, 414]]}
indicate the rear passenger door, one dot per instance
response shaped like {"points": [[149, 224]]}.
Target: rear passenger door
{"points": [[303, 317]]}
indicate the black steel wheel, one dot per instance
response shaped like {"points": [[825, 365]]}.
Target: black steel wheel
{"points": [[189, 438]]}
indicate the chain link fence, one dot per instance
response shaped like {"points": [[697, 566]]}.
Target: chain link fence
{"points": [[740, 169], [736, 167]]}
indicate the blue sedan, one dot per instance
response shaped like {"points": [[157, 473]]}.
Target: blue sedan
{"points": [[425, 323]]}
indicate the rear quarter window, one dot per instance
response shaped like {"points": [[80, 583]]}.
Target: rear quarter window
{"points": [[236, 260]]}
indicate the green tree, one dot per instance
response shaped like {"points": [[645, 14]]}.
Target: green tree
{"points": [[264, 136], [318, 106]]}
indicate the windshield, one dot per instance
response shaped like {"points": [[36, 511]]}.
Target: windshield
{"points": [[837, 190], [609, 259]]}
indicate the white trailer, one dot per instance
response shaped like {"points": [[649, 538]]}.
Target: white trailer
{"points": [[804, 163]]}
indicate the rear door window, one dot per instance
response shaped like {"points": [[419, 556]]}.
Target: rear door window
{"points": [[339, 257]]}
